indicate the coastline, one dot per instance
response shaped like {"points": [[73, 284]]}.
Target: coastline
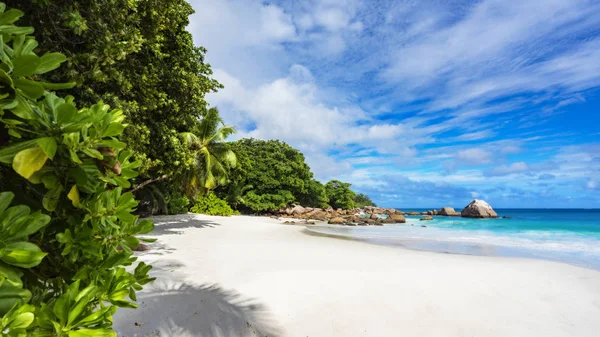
{"points": [[253, 276]]}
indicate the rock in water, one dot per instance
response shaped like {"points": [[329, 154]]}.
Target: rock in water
{"points": [[448, 211], [429, 217], [478, 209]]}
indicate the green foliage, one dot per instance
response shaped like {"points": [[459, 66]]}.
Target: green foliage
{"points": [[362, 200], [269, 175], [340, 195], [64, 249], [211, 205], [136, 56], [178, 204], [212, 159], [316, 196]]}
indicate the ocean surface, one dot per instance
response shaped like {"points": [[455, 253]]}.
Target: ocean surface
{"points": [[565, 235]]}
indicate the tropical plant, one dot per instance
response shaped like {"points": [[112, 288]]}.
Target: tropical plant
{"points": [[340, 195], [134, 55], [362, 200], [316, 196], [269, 175], [178, 204], [212, 156], [210, 204], [64, 249]]}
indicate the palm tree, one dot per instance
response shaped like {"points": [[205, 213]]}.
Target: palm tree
{"points": [[212, 156]]}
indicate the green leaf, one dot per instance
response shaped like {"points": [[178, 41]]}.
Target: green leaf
{"points": [[49, 62], [51, 198], [144, 227], [92, 333], [61, 307], [48, 145], [22, 321], [25, 65], [29, 46], [29, 161], [10, 16], [23, 108], [7, 153], [57, 86], [10, 275], [75, 157], [149, 240], [11, 121], [113, 129], [74, 195], [35, 222], [5, 78], [10, 295], [49, 180], [132, 242], [30, 89], [14, 30], [22, 254], [5, 200], [65, 113], [95, 317], [93, 153]]}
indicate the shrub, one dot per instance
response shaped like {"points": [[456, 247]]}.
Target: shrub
{"points": [[64, 249], [178, 204], [212, 205]]}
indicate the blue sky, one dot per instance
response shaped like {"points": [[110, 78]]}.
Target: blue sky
{"points": [[419, 103]]}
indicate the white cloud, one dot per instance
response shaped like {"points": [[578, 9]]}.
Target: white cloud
{"points": [[332, 19], [518, 167], [275, 25], [366, 89], [495, 50], [474, 156]]}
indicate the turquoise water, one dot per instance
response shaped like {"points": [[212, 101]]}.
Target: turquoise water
{"points": [[565, 235]]}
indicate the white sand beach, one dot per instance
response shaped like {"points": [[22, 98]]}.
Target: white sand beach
{"points": [[253, 276]]}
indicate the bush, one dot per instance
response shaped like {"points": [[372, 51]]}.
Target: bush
{"points": [[212, 205], [178, 204], [64, 248]]}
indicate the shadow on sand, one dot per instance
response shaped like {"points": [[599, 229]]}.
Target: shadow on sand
{"points": [[174, 309], [169, 225]]}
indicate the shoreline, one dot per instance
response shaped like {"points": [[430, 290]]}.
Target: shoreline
{"points": [[253, 276], [459, 248]]}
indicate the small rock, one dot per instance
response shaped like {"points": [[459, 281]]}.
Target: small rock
{"points": [[423, 226], [429, 217], [142, 248]]}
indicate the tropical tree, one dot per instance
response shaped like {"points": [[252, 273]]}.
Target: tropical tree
{"points": [[362, 200], [137, 56], [340, 195], [212, 158], [269, 175]]}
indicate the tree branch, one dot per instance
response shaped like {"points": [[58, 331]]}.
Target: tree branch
{"points": [[149, 181]]}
